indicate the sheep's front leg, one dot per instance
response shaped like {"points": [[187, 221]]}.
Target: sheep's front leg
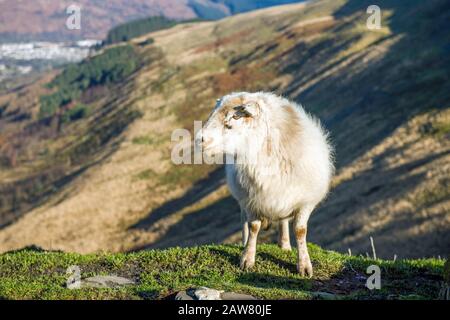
{"points": [[244, 224], [283, 235], [248, 256], [304, 265]]}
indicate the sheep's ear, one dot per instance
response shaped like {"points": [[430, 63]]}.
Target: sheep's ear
{"points": [[253, 108], [218, 102]]}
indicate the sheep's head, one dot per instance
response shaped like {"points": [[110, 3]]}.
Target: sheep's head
{"points": [[233, 126]]}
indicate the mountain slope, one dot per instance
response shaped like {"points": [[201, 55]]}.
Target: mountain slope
{"points": [[45, 20], [106, 182]]}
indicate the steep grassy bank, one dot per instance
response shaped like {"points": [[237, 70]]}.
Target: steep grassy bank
{"points": [[34, 274]]}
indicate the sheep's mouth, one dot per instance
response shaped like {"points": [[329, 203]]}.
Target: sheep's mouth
{"points": [[204, 148], [210, 150]]}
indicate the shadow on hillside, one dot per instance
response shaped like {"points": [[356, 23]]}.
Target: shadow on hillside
{"points": [[339, 220], [430, 243], [53, 188], [199, 190], [212, 224], [362, 107]]}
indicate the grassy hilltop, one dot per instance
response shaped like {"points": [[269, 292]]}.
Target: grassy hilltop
{"points": [[28, 274]]}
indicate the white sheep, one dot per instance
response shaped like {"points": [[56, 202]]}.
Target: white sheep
{"points": [[279, 165]]}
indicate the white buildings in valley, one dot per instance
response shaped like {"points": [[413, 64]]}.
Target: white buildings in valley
{"points": [[47, 50], [22, 58]]}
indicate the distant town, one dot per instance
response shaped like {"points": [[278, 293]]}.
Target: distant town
{"points": [[18, 59]]}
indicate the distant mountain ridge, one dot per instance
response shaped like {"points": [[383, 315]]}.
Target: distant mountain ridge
{"points": [[44, 20], [216, 9]]}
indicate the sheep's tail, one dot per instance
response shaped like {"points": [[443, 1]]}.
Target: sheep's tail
{"points": [[265, 224]]}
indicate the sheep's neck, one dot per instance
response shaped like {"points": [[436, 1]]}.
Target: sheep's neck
{"points": [[268, 161]]}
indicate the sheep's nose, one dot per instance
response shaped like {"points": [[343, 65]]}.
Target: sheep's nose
{"points": [[199, 140], [203, 140], [206, 142]]}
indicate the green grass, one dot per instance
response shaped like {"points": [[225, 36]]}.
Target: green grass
{"points": [[442, 129], [78, 112], [148, 140], [33, 274], [437, 129], [146, 175], [136, 28]]}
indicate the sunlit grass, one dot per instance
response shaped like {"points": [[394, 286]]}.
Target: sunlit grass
{"points": [[31, 274]]}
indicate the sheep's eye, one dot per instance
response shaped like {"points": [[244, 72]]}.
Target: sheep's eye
{"points": [[241, 112], [228, 126]]}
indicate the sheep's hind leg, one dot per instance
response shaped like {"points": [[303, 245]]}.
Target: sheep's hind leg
{"points": [[304, 265], [244, 224], [248, 256], [283, 235]]}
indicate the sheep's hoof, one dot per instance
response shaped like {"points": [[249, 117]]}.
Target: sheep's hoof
{"points": [[247, 262], [285, 247], [305, 269]]}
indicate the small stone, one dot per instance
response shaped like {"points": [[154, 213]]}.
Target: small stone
{"points": [[204, 293], [105, 282], [325, 295], [183, 295], [236, 296]]}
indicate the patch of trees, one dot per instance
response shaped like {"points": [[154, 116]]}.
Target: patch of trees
{"points": [[112, 66], [137, 28], [133, 29], [3, 108], [73, 114]]}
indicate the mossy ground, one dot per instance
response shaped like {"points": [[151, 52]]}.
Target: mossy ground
{"points": [[34, 274]]}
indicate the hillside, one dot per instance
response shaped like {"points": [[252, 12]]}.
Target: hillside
{"points": [[102, 179], [159, 274], [44, 20]]}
